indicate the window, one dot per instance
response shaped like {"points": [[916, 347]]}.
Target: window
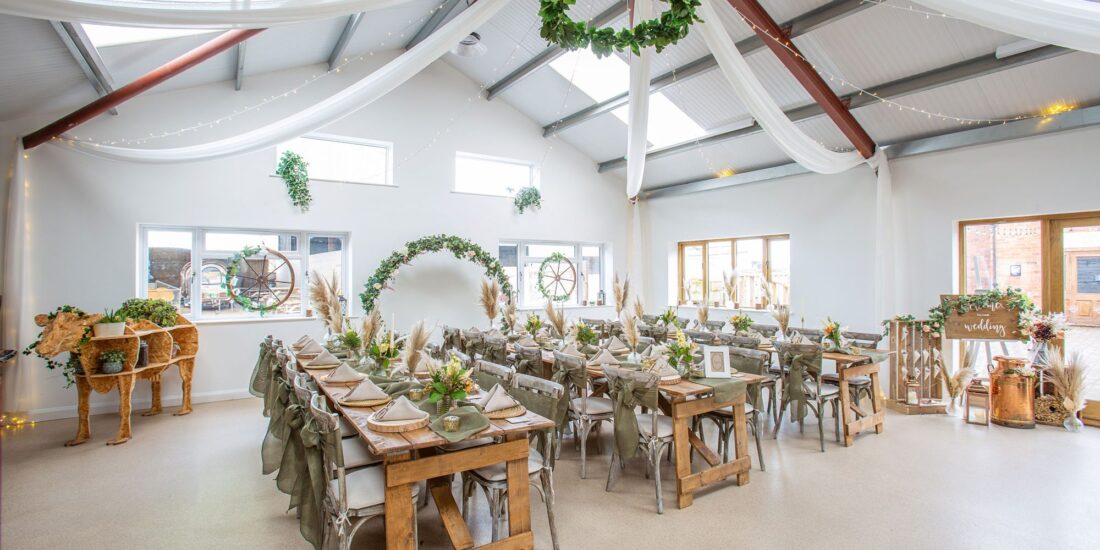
{"points": [[522, 260], [1002, 255], [169, 254], [110, 35], [604, 78], [484, 175], [756, 266], [342, 159]]}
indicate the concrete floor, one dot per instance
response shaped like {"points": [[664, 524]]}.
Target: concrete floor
{"points": [[927, 482]]}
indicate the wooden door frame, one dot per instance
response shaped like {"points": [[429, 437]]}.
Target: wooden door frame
{"points": [[1056, 266]]}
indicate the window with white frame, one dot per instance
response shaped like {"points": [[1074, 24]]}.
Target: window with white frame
{"points": [[343, 159], [169, 256], [484, 175], [523, 259]]}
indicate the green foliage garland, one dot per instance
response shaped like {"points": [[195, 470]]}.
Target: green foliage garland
{"points": [[232, 268], [555, 257], [670, 27], [462, 249], [295, 173], [528, 198]]}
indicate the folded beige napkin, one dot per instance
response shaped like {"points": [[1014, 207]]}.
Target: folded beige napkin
{"points": [[324, 358], [474, 330], [302, 341], [603, 358], [655, 351], [495, 333], [798, 338], [344, 373], [497, 400], [663, 369], [645, 352], [571, 349], [617, 346], [543, 332], [527, 342], [365, 391], [399, 409], [311, 348]]}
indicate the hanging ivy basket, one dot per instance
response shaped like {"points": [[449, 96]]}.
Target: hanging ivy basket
{"points": [[669, 28], [294, 170]]}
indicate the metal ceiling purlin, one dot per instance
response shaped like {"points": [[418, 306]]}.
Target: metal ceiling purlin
{"points": [[798, 26], [345, 36], [935, 78], [86, 56], [238, 80], [435, 21]]}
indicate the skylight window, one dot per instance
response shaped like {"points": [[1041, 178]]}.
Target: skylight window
{"points": [[602, 79], [110, 35]]}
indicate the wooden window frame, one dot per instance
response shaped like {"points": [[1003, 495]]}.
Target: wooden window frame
{"points": [[705, 243]]}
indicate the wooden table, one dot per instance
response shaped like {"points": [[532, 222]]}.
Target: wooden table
{"points": [[854, 419], [411, 457]]}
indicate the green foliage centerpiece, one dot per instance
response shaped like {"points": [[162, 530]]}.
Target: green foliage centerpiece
{"points": [[448, 384], [681, 353], [584, 334], [669, 28], [741, 323], [534, 323]]}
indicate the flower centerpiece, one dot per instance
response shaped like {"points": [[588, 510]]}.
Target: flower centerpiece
{"points": [[584, 334], [832, 335], [384, 350], [668, 318], [533, 324], [741, 323], [448, 384], [681, 353], [1043, 329]]}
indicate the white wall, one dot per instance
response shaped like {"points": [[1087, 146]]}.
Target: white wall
{"points": [[84, 212], [831, 220]]}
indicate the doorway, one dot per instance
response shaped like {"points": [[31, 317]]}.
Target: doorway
{"points": [[1075, 290]]}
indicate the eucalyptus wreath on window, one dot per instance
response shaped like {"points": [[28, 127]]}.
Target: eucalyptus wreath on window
{"points": [[295, 173], [528, 198]]}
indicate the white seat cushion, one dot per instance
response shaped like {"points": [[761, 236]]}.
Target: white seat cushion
{"points": [[596, 405], [466, 444], [827, 390], [728, 411], [664, 425], [356, 453], [833, 378], [366, 488], [498, 472], [346, 429]]}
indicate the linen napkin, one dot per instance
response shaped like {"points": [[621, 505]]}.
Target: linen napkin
{"points": [[399, 409], [497, 400], [798, 338], [344, 373], [543, 333], [474, 330], [663, 369], [365, 391], [527, 341], [311, 348], [603, 358], [305, 339], [495, 333], [571, 349], [325, 358], [614, 345]]}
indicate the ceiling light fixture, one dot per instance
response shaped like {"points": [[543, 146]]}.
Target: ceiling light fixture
{"points": [[470, 46]]}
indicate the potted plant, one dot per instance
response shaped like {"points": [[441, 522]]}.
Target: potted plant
{"points": [[528, 198], [448, 384], [741, 323], [161, 312], [113, 323], [110, 362]]}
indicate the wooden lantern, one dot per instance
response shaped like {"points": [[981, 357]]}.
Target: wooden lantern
{"points": [[977, 403], [912, 392]]}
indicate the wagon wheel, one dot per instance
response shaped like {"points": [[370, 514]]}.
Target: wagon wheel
{"points": [[561, 277], [258, 279]]}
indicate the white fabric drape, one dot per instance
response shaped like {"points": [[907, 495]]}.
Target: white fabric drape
{"points": [[800, 147], [14, 250], [1068, 23], [885, 282], [638, 110], [214, 14], [339, 105]]}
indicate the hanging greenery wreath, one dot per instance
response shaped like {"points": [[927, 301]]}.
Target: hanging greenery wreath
{"points": [[552, 293], [462, 249], [669, 28], [232, 269], [295, 173]]}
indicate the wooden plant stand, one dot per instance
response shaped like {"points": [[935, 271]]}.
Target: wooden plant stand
{"points": [[160, 342]]}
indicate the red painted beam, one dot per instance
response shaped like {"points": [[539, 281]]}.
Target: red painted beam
{"points": [[768, 31], [152, 78]]}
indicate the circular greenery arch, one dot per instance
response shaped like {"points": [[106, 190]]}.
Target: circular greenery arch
{"points": [[669, 28], [462, 249]]}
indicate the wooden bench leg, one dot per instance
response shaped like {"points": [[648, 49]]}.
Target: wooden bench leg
{"points": [[682, 444], [519, 504]]}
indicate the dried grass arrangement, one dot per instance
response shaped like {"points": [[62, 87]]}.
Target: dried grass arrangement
{"points": [[703, 315], [1069, 378], [954, 383], [630, 331], [324, 294], [639, 308], [490, 299], [622, 293], [415, 343], [729, 280], [782, 315], [556, 319], [372, 324], [510, 317]]}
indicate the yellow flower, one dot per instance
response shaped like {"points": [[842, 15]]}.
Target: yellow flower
{"points": [[680, 338]]}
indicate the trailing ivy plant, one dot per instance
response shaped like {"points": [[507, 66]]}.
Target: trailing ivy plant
{"points": [[295, 173], [528, 198], [70, 366], [670, 27]]}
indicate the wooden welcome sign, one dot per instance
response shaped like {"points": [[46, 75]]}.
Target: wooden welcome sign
{"points": [[997, 322]]}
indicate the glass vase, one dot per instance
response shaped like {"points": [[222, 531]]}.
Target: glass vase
{"points": [[444, 406], [1072, 423], [952, 408]]}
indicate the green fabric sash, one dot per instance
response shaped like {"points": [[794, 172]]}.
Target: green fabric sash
{"points": [[261, 373], [452, 339], [801, 365], [628, 393], [529, 361], [471, 421], [275, 374], [542, 404], [278, 430], [394, 386], [571, 376], [749, 365], [309, 493], [495, 351], [292, 462], [726, 390]]}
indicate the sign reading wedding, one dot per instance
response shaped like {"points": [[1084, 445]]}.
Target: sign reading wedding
{"points": [[995, 321]]}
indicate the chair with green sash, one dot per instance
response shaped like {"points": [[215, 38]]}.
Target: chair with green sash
{"points": [[529, 361], [452, 339], [488, 374], [350, 498], [753, 362], [472, 341], [811, 334], [715, 326], [261, 373], [767, 330], [356, 452], [748, 342], [614, 328], [587, 413], [493, 349], [644, 342], [544, 398], [649, 432], [649, 319], [803, 389], [701, 337]]}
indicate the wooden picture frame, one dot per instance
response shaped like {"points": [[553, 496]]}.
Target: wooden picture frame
{"points": [[716, 362]]}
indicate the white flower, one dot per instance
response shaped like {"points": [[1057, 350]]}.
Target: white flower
{"points": [[378, 286], [394, 276], [403, 251], [469, 253]]}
